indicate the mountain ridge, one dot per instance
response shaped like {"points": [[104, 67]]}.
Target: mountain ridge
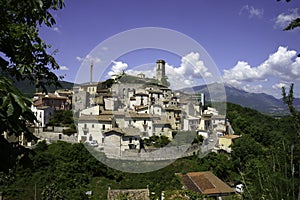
{"points": [[262, 102]]}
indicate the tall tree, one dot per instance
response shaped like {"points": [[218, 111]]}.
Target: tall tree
{"points": [[24, 55], [288, 99]]}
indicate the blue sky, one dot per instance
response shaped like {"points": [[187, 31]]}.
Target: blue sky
{"points": [[244, 38]]}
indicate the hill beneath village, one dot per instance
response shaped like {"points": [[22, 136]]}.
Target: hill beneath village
{"points": [[261, 102]]}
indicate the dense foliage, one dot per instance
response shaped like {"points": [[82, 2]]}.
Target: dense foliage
{"points": [[265, 159], [23, 56]]}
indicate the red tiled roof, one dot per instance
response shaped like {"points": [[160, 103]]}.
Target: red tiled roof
{"points": [[205, 183]]}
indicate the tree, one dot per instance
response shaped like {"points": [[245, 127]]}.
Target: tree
{"points": [[294, 23], [288, 99], [23, 55]]}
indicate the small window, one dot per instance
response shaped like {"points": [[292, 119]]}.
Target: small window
{"points": [[130, 140], [103, 127], [134, 121], [169, 117], [92, 125]]}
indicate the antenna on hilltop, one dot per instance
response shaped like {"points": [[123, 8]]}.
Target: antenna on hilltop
{"points": [[91, 73]]}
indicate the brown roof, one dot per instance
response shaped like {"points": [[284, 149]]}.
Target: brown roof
{"points": [[124, 131], [205, 183], [134, 115], [103, 118]]}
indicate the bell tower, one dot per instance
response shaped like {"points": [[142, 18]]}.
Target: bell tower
{"points": [[160, 70]]}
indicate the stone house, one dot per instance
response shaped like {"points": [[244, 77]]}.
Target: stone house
{"points": [[173, 115], [117, 140], [91, 127], [142, 121], [43, 115], [191, 123]]}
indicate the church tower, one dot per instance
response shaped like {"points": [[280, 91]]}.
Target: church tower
{"points": [[160, 70]]}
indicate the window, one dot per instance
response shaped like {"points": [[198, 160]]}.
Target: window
{"points": [[103, 127], [134, 121], [92, 125], [144, 121], [130, 140], [85, 125], [169, 117]]}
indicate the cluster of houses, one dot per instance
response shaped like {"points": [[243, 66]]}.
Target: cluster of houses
{"points": [[117, 114]]}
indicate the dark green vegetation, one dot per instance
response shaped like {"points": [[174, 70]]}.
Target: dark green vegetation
{"points": [[263, 159], [64, 118], [24, 56], [28, 89]]}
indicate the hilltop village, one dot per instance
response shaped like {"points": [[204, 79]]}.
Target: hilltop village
{"points": [[117, 115]]}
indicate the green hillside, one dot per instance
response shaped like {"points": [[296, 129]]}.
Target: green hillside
{"points": [[263, 159]]}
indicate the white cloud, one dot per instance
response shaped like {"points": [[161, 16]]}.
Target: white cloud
{"points": [[251, 11], [89, 59], [284, 19], [117, 68], [63, 68], [279, 69], [278, 86], [191, 69], [253, 88], [56, 29], [148, 73], [281, 64]]}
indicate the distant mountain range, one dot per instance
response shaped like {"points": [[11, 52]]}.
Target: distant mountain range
{"points": [[262, 102]]}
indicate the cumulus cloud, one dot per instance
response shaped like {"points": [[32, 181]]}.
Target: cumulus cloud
{"points": [[63, 68], [252, 88], [117, 68], [284, 19], [89, 59], [191, 69], [251, 11], [278, 70], [281, 64]]}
